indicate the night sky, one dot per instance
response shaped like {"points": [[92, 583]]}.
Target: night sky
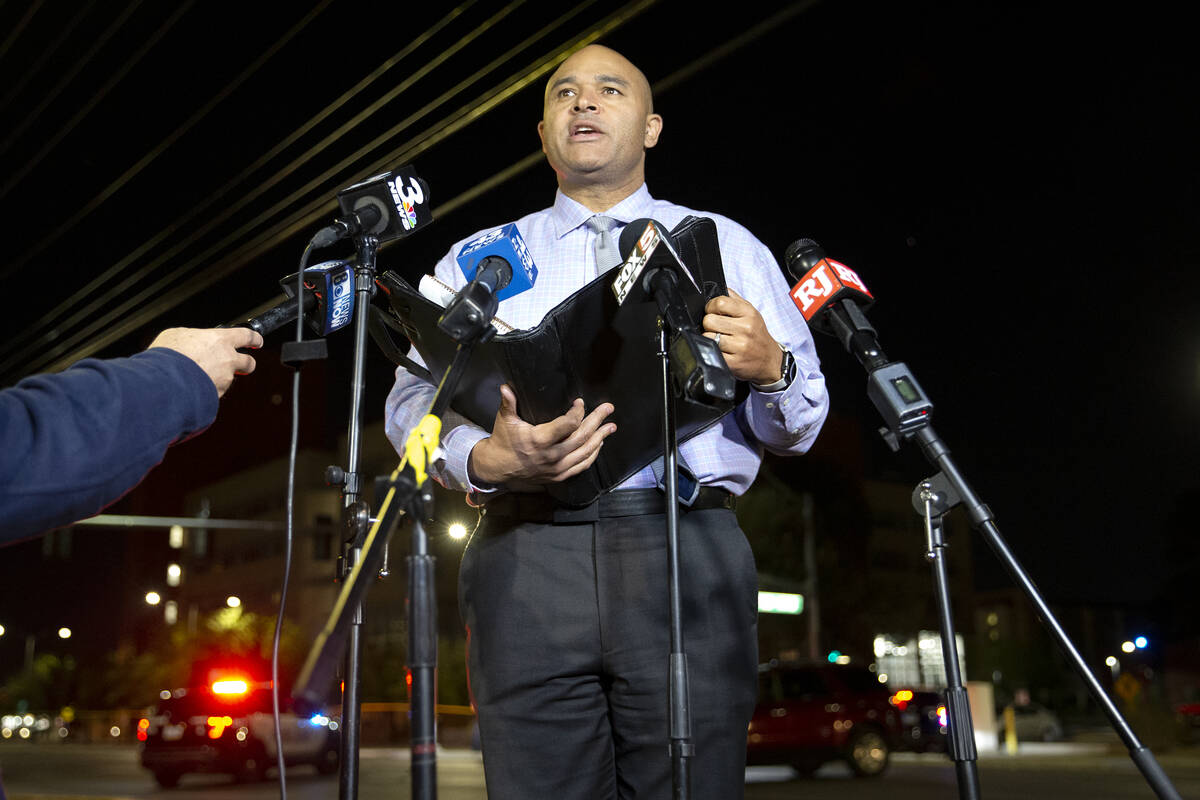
{"points": [[1017, 187]]}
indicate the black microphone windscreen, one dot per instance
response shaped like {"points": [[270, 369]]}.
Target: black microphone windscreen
{"points": [[632, 232], [801, 256], [372, 215], [495, 272]]}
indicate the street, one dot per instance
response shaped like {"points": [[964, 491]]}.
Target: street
{"points": [[46, 770]]}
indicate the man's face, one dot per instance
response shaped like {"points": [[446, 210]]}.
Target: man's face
{"points": [[597, 120]]}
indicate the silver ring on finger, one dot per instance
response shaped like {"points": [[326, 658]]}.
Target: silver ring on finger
{"points": [[717, 340]]}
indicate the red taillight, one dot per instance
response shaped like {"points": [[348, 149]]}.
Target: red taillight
{"points": [[143, 726], [230, 686]]}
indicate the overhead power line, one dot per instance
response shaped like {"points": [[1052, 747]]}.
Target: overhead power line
{"points": [[160, 297], [114, 281], [134, 311]]}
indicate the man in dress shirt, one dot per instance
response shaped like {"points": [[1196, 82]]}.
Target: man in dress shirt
{"points": [[568, 621]]}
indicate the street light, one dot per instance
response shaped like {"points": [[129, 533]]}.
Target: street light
{"points": [[1128, 647], [31, 643]]}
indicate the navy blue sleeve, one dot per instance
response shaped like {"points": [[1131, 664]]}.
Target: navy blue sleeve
{"points": [[74, 442]]}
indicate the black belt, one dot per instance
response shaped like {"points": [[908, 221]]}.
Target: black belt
{"points": [[621, 503]]}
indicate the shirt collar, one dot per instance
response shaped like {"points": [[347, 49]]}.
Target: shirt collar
{"points": [[568, 215]]}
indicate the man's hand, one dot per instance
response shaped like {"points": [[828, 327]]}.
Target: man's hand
{"points": [[519, 455], [749, 350], [215, 350]]}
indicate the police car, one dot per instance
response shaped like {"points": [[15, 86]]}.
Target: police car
{"points": [[227, 727]]}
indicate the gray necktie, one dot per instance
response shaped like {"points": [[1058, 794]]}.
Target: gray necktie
{"points": [[607, 254]]}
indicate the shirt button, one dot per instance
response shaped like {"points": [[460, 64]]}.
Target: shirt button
{"points": [[770, 404]]}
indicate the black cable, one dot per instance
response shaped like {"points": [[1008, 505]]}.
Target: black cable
{"points": [[289, 535]]}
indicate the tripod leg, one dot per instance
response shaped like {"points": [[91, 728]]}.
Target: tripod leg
{"points": [[348, 773], [961, 738], [981, 520]]}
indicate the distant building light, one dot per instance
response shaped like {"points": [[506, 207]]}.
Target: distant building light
{"points": [[233, 601], [1, 630], [174, 574], [1111, 661], [993, 618], [843, 659], [171, 612], [1140, 642], [175, 537], [64, 633], [153, 598], [883, 677], [1128, 647], [780, 603], [114, 732]]}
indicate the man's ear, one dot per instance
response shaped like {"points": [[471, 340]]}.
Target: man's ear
{"points": [[654, 125], [541, 135]]}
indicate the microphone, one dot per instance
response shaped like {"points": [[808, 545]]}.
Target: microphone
{"points": [[507, 244], [653, 267], [822, 282], [487, 262], [327, 300], [443, 294], [387, 206], [367, 219], [833, 299], [647, 248]]}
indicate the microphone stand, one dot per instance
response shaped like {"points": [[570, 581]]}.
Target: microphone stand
{"points": [[932, 504], [899, 399], [692, 365], [356, 516], [680, 731], [408, 491]]}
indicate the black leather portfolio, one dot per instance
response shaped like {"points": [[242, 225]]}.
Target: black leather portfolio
{"points": [[588, 346]]}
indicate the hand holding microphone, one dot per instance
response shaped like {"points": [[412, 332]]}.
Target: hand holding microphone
{"points": [[215, 350]]}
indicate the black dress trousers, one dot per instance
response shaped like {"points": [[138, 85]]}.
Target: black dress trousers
{"points": [[568, 654]]}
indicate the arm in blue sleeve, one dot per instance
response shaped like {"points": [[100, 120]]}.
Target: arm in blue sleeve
{"points": [[76, 441]]}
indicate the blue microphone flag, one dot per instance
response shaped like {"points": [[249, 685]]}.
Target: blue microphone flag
{"points": [[506, 243]]}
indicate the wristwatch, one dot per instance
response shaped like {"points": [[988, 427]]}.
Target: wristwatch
{"points": [[787, 374]]}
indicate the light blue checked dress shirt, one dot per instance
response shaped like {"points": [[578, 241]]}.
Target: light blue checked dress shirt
{"points": [[561, 243]]}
